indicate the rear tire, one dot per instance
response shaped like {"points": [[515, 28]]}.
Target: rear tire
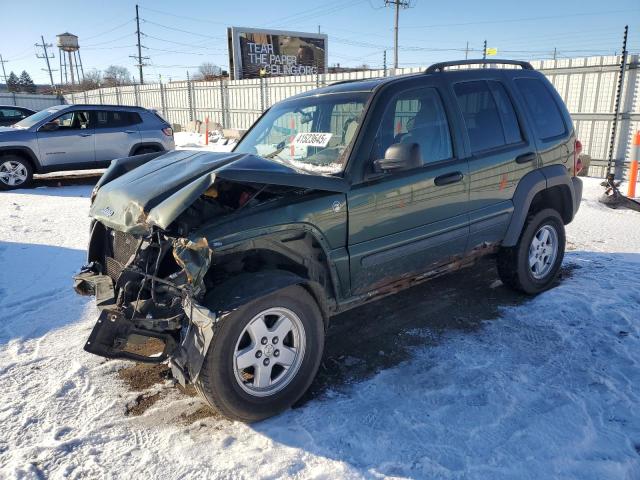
{"points": [[249, 394], [15, 172], [532, 265]]}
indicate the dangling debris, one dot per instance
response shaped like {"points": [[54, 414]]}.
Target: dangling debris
{"points": [[612, 197]]}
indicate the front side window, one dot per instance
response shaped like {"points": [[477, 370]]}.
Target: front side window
{"points": [[37, 117], [416, 116], [310, 134], [76, 120], [547, 118]]}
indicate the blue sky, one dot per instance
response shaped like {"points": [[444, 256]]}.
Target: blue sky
{"points": [[182, 35]]}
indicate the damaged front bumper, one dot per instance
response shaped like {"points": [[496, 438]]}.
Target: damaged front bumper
{"points": [[167, 324]]}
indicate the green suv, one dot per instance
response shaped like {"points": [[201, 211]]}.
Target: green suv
{"points": [[229, 266]]}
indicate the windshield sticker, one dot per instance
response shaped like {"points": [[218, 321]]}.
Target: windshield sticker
{"points": [[312, 139]]}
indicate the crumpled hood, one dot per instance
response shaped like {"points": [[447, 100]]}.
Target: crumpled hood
{"points": [[136, 193]]}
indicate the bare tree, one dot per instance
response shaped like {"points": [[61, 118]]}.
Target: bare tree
{"points": [[92, 79], [116, 75], [208, 71]]}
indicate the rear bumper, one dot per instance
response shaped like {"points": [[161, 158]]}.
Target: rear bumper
{"points": [[577, 193]]}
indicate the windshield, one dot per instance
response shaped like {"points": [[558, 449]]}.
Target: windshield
{"points": [[37, 117], [310, 133]]}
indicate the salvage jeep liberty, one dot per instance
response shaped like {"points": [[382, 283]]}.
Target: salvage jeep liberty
{"points": [[231, 264]]}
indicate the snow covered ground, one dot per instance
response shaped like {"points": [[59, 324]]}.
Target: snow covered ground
{"points": [[550, 388]]}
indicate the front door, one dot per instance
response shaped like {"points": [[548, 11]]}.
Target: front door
{"points": [[72, 142], [405, 223], [116, 133]]}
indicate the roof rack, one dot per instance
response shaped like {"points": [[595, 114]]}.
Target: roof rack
{"points": [[439, 67]]}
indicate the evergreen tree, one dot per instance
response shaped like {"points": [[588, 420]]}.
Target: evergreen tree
{"points": [[13, 83], [25, 83]]}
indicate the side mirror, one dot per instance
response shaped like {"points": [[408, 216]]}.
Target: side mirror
{"points": [[400, 157], [49, 127]]}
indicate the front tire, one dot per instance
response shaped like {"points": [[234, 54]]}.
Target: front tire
{"points": [[264, 356], [532, 265], [15, 172]]}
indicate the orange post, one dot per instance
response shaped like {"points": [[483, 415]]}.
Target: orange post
{"points": [[633, 168], [206, 131]]}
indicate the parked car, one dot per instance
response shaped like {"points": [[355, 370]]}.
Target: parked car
{"points": [[75, 137], [10, 114], [232, 264]]}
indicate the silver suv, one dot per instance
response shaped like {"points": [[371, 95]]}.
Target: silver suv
{"points": [[75, 137]]}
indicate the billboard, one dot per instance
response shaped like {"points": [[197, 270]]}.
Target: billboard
{"points": [[255, 53]]}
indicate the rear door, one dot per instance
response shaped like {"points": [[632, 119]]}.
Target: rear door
{"points": [[116, 133], [501, 153], [405, 223], [71, 143]]}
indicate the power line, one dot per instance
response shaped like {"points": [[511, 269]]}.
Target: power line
{"points": [[110, 30], [524, 19]]}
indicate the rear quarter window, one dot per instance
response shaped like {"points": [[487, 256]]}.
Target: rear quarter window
{"points": [[547, 118]]}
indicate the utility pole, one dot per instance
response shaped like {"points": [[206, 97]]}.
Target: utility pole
{"points": [[555, 53], [397, 4], [484, 51], [4, 72], [139, 58], [46, 56], [466, 51]]}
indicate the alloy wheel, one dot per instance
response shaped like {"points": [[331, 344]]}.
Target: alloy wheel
{"points": [[269, 352]]}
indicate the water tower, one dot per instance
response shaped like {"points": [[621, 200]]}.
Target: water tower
{"points": [[67, 43]]}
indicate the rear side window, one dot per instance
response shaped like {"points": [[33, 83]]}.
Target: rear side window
{"points": [[114, 119], [488, 115], [547, 118]]}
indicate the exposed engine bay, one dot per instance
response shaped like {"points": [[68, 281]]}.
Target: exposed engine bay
{"points": [[150, 287]]}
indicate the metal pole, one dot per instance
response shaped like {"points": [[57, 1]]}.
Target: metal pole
{"points": [[614, 127], [77, 68], [4, 73], [484, 51], [80, 62], [71, 68], [384, 62], [139, 46], [189, 97], [395, 37], [466, 52]]}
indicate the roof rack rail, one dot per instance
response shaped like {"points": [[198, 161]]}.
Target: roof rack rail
{"points": [[439, 67]]}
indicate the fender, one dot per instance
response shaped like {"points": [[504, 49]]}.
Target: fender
{"points": [[146, 144], [246, 287], [37, 167], [530, 185]]}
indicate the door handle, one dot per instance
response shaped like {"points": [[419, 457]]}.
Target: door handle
{"points": [[448, 179], [526, 157], [86, 134], [130, 131]]}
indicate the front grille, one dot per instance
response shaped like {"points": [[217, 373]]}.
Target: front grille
{"points": [[123, 246]]}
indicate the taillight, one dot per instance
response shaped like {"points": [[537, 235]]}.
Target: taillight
{"points": [[168, 131], [577, 163]]}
